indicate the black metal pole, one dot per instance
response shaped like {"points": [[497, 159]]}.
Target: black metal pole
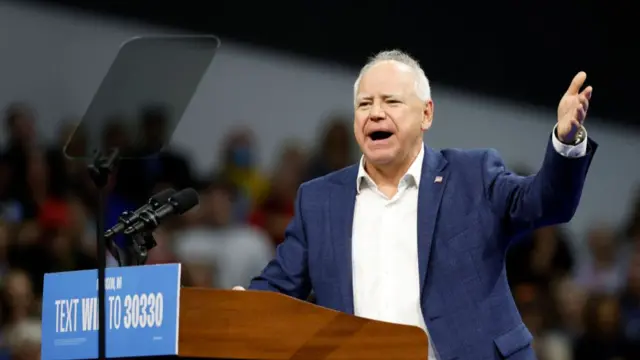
{"points": [[102, 264], [100, 170]]}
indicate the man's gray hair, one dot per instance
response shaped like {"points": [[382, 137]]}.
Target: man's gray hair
{"points": [[423, 90]]}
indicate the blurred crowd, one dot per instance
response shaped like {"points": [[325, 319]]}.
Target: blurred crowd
{"points": [[578, 303]]}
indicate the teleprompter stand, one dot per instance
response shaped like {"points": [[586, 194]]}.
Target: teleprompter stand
{"points": [[100, 170], [136, 248], [147, 71]]}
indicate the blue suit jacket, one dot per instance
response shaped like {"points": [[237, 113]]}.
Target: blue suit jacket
{"points": [[465, 224]]}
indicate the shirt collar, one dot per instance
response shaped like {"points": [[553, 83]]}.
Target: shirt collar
{"points": [[412, 175]]}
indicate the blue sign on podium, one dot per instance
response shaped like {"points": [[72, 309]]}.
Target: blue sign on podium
{"points": [[141, 312]]}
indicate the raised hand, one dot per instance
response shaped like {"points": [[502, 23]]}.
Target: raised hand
{"points": [[572, 109]]}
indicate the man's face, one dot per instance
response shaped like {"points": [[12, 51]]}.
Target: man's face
{"points": [[22, 128], [389, 116]]}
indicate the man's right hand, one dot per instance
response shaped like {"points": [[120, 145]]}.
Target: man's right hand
{"points": [[238, 288]]}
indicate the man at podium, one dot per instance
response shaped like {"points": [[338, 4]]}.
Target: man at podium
{"points": [[418, 236]]}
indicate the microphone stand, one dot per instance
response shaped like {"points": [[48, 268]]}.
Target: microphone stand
{"points": [[100, 169], [137, 249]]}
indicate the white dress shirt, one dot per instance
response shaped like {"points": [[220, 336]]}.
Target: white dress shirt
{"points": [[386, 280]]}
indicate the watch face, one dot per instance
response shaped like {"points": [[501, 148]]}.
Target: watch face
{"points": [[579, 136]]}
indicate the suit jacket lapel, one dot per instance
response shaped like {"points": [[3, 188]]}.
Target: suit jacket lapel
{"points": [[432, 184], [341, 207]]}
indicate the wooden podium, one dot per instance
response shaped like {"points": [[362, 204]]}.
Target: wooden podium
{"points": [[227, 324]]}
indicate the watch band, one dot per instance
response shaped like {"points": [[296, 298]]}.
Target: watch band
{"points": [[580, 135]]}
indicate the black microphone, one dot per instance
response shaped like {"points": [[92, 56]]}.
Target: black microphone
{"points": [[155, 202], [177, 204]]}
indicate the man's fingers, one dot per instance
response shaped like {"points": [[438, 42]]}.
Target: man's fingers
{"points": [[577, 83], [582, 114], [238, 288], [587, 92], [584, 101]]}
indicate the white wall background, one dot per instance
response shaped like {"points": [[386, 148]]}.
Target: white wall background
{"points": [[56, 59]]}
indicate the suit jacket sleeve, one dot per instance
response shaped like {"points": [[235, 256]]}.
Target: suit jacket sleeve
{"points": [[288, 272], [549, 197]]}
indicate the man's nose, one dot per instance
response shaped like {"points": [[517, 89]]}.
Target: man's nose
{"points": [[376, 113]]}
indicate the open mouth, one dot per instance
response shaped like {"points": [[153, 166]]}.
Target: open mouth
{"points": [[380, 135]]}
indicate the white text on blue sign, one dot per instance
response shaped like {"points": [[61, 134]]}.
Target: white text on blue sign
{"points": [[131, 311]]}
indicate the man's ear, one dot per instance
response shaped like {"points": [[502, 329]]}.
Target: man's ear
{"points": [[427, 116]]}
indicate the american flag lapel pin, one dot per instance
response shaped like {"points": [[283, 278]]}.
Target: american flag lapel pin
{"points": [[438, 180]]}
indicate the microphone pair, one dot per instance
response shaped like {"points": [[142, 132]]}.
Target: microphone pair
{"points": [[161, 205]]}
